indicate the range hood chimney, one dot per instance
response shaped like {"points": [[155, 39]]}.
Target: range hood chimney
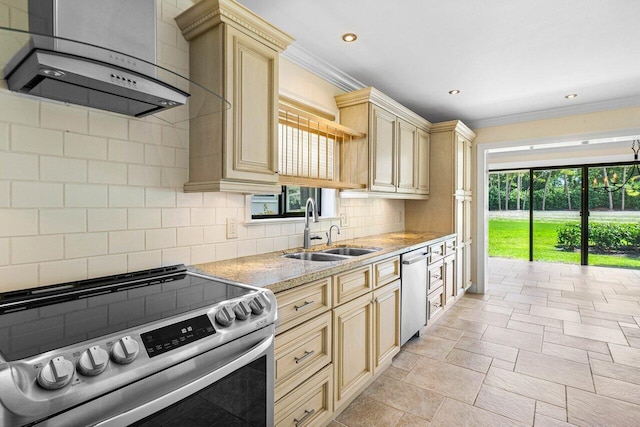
{"points": [[111, 68]]}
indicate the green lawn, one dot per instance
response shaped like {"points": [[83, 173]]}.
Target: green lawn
{"points": [[509, 238]]}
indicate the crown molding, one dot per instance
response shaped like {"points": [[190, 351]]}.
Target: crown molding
{"points": [[321, 68], [553, 113], [454, 126]]}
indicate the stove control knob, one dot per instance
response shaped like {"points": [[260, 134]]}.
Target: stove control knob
{"points": [[125, 350], [93, 361], [56, 374], [225, 316], [257, 305], [242, 310]]}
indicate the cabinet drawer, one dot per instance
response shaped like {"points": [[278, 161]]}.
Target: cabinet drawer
{"points": [[437, 251], [311, 404], [352, 284], [436, 303], [302, 303], [450, 247], [386, 271], [300, 352], [435, 276]]}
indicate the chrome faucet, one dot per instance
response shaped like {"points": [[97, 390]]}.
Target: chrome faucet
{"points": [[329, 241], [311, 204]]}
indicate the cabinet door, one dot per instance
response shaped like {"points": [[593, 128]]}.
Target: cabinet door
{"points": [[466, 268], [468, 167], [422, 162], [407, 154], [382, 145], [460, 150], [251, 151], [386, 326], [353, 355], [450, 287]]}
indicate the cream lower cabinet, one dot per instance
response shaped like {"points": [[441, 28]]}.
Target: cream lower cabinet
{"points": [[386, 322]]}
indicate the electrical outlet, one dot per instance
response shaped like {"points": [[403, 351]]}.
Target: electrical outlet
{"points": [[344, 220], [232, 228]]}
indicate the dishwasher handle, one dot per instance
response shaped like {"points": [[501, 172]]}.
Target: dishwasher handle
{"points": [[416, 259]]}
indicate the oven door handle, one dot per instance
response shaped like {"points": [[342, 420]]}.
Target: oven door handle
{"points": [[187, 390]]}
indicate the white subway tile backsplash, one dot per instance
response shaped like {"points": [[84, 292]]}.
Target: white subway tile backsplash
{"points": [[19, 109], [107, 219], [126, 241], [63, 117], [58, 221], [143, 218], [108, 125], [18, 222], [223, 213], [160, 197], [107, 265], [4, 137], [272, 230], [160, 238], [204, 253], [159, 155], [125, 197], [63, 170], [217, 200], [16, 277], [62, 271], [85, 146], [144, 260], [189, 200], [166, 33], [280, 243], [174, 177], [4, 15], [107, 172], [226, 251], [144, 175], [85, 245], [174, 256], [215, 234], [175, 137], [18, 166], [203, 216], [247, 248], [182, 158], [264, 245], [125, 151], [256, 231], [5, 194], [235, 200], [4, 251], [35, 140], [26, 250], [288, 228], [173, 56], [190, 236], [19, 19], [85, 196], [176, 217], [36, 194], [143, 131]]}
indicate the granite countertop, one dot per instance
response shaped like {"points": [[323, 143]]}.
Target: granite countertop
{"points": [[278, 274]]}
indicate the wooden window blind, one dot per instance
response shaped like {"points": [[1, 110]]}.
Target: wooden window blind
{"points": [[312, 149]]}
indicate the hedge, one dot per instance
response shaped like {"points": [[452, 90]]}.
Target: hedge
{"points": [[603, 236]]}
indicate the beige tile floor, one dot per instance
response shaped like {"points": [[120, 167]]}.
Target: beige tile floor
{"points": [[548, 345]]}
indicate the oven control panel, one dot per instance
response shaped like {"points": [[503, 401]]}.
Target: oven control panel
{"points": [[176, 335]]}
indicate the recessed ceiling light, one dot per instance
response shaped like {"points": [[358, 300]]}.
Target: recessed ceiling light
{"points": [[349, 37], [571, 95], [454, 92]]}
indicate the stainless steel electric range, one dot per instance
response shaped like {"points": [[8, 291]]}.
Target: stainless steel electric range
{"points": [[162, 347]]}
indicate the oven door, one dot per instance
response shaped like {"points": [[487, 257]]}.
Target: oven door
{"points": [[231, 385]]}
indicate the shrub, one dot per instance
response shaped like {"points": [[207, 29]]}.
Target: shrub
{"points": [[569, 236]]}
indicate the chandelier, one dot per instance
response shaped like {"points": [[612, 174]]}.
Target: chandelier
{"points": [[612, 185]]}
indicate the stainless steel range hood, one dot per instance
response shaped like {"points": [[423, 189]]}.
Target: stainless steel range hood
{"points": [[99, 54]]}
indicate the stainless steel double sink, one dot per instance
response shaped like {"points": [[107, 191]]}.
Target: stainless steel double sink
{"points": [[332, 254]]}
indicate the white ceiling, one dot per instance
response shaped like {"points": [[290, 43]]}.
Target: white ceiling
{"points": [[513, 60]]}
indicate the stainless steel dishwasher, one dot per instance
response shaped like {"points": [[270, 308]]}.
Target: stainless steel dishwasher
{"points": [[414, 293]]}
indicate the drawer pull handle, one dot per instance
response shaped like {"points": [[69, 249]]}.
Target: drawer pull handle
{"points": [[300, 307], [307, 354], [437, 304], [436, 277], [306, 416]]}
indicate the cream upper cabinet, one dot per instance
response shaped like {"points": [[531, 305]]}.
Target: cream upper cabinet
{"points": [[407, 157], [383, 150], [422, 161], [394, 152], [235, 53]]}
